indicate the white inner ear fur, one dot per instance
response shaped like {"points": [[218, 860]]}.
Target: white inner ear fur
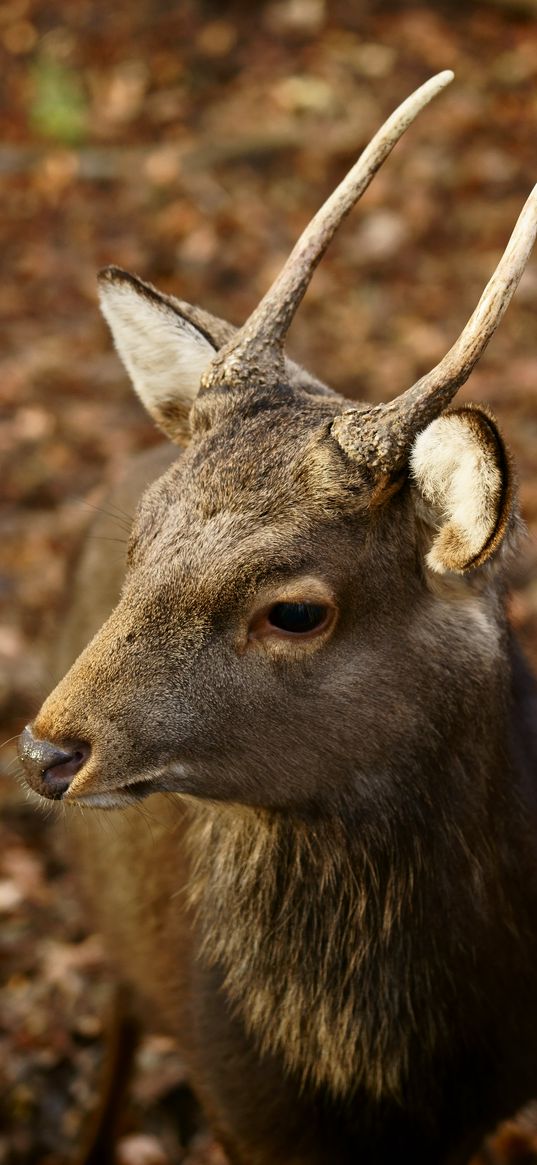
{"points": [[456, 469], [164, 355]]}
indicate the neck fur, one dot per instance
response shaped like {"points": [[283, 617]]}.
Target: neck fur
{"points": [[334, 936]]}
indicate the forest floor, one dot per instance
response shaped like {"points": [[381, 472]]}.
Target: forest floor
{"points": [[190, 142]]}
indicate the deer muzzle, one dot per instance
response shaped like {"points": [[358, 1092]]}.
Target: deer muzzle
{"points": [[50, 767]]}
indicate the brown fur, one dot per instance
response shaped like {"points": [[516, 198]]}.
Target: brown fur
{"points": [[322, 977]]}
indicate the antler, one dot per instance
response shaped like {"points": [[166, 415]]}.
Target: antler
{"points": [[256, 353], [382, 436]]}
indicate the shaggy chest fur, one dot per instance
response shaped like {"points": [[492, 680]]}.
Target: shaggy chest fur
{"points": [[329, 952]]}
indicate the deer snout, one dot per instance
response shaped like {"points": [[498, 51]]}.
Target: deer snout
{"points": [[49, 767]]}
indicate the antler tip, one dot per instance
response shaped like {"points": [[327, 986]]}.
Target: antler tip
{"points": [[434, 85]]}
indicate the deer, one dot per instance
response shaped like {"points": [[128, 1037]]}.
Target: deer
{"points": [[305, 661]]}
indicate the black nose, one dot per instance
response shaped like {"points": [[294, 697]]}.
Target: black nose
{"points": [[49, 767]]}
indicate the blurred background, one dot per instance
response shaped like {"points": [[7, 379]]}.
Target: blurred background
{"points": [[190, 143]]}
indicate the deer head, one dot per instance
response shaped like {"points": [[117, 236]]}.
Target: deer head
{"points": [[311, 589]]}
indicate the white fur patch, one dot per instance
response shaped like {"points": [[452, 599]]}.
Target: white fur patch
{"points": [[457, 474], [164, 355]]}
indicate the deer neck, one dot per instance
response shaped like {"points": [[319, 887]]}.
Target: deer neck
{"points": [[331, 935]]}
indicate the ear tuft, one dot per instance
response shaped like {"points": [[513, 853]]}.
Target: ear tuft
{"points": [[461, 470], [164, 353]]}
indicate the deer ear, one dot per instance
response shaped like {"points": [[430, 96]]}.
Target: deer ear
{"points": [[164, 353], [461, 471]]}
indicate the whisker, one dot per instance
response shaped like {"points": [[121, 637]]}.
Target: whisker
{"points": [[124, 513], [11, 766], [10, 741], [107, 538], [124, 520]]}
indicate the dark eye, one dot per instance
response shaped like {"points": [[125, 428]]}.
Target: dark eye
{"points": [[297, 618]]}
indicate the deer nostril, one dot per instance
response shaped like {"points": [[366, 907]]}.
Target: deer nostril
{"points": [[58, 776], [49, 767]]}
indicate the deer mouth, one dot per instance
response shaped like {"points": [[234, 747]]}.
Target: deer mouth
{"points": [[118, 798]]}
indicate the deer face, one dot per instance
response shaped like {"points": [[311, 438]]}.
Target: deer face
{"points": [[301, 585], [276, 621], [246, 587]]}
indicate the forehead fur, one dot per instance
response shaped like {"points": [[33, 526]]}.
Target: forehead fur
{"points": [[266, 458], [254, 496]]}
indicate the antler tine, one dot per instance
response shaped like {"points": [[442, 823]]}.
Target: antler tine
{"points": [[258, 346], [382, 436]]}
